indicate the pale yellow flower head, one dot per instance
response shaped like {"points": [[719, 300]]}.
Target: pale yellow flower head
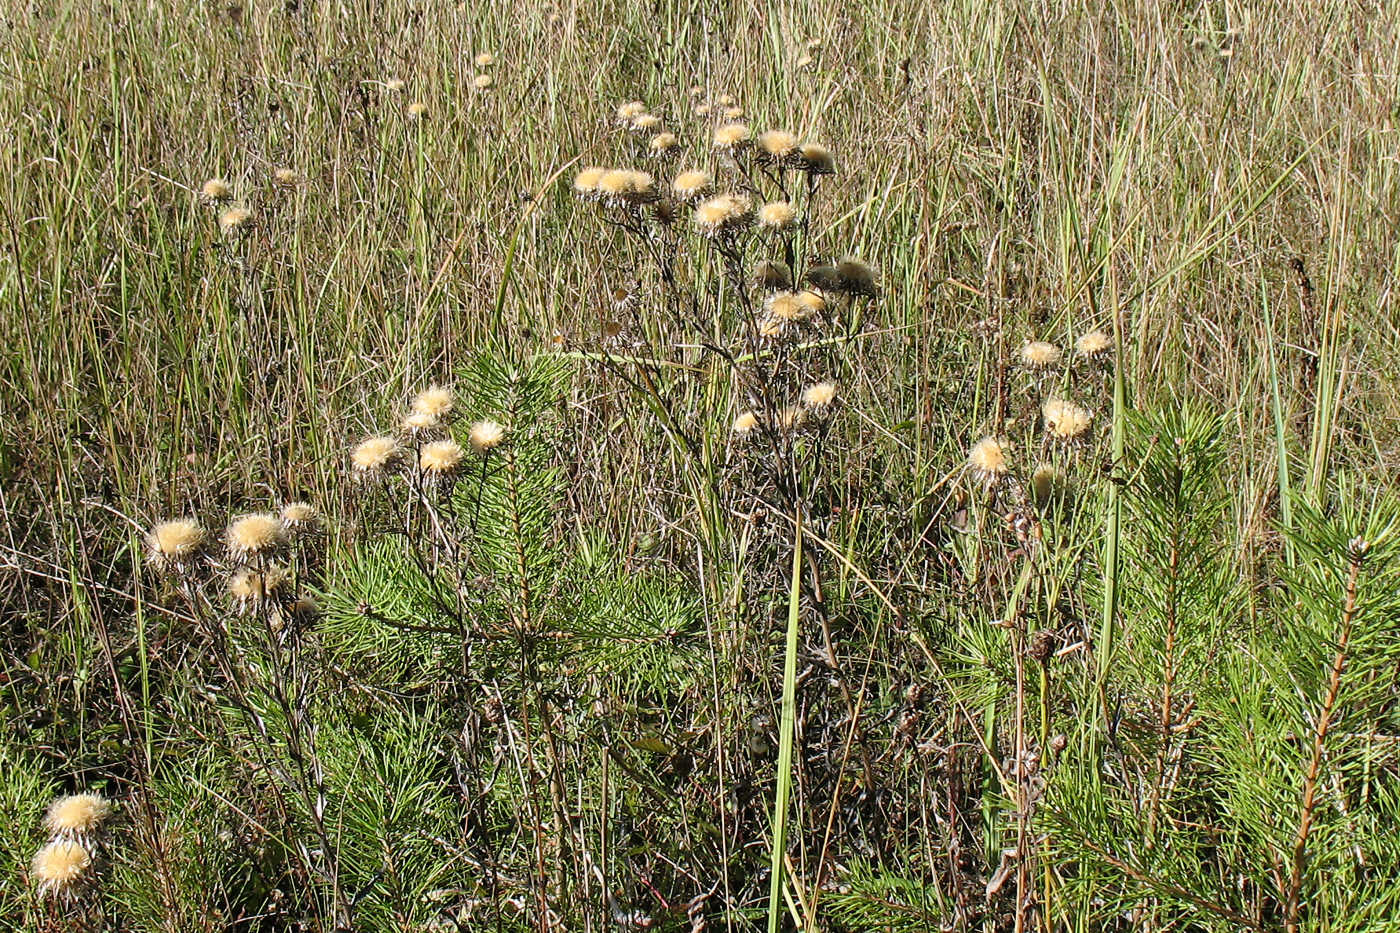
{"points": [[255, 534], [1064, 420], [375, 456], [988, 457], [441, 458], [692, 184], [724, 213], [486, 436], [1037, 354], [77, 816], [731, 136], [1095, 343], [61, 868], [777, 215], [173, 544]]}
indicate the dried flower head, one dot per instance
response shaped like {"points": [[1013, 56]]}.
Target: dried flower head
{"points": [[375, 456], [626, 186], [813, 303], [745, 424], [172, 545], [629, 111], [786, 307], [697, 91], [486, 436], [418, 423], [1037, 354], [803, 62], [777, 215], [856, 277], [776, 146], [703, 110], [733, 113], [1093, 344], [484, 60], [586, 181], [731, 136], [726, 100], [417, 110], [792, 417], [300, 518], [692, 184], [1044, 483], [724, 213], [234, 220], [77, 816], [663, 144], [216, 189], [286, 177], [1065, 420], [251, 588], [483, 82], [435, 400], [819, 396], [771, 328], [988, 457], [825, 277], [255, 534], [645, 122], [395, 85], [816, 159], [61, 868], [771, 276], [441, 458]]}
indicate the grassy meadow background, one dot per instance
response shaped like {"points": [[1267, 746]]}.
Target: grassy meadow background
{"points": [[1218, 183]]}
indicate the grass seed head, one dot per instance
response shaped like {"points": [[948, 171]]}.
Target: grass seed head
{"points": [[375, 456], [77, 816], [61, 868], [174, 544], [486, 436], [1037, 354]]}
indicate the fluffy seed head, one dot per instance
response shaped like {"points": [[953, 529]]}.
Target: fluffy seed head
{"points": [[771, 328], [812, 302], [777, 145], [824, 277], [61, 868], [692, 184], [417, 110], [486, 436], [724, 214], [394, 85], [300, 518], [286, 177], [1037, 354], [697, 91], [663, 143], [786, 307], [586, 181], [727, 100], [435, 400], [988, 457], [816, 159], [234, 219], [175, 543], [417, 423], [629, 111], [255, 534], [1043, 483], [733, 113], [77, 816], [645, 122], [857, 278], [1094, 343], [777, 215], [819, 396], [484, 60], [770, 275], [792, 417], [483, 81], [1065, 420], [375, 456], [216, 189], [441, 458], [250, 587], [731, 136], [625, 185], [745, 423]]}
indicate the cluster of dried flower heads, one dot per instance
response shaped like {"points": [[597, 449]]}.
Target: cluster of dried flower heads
{"points": [[424, 446], [66, 865]]}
